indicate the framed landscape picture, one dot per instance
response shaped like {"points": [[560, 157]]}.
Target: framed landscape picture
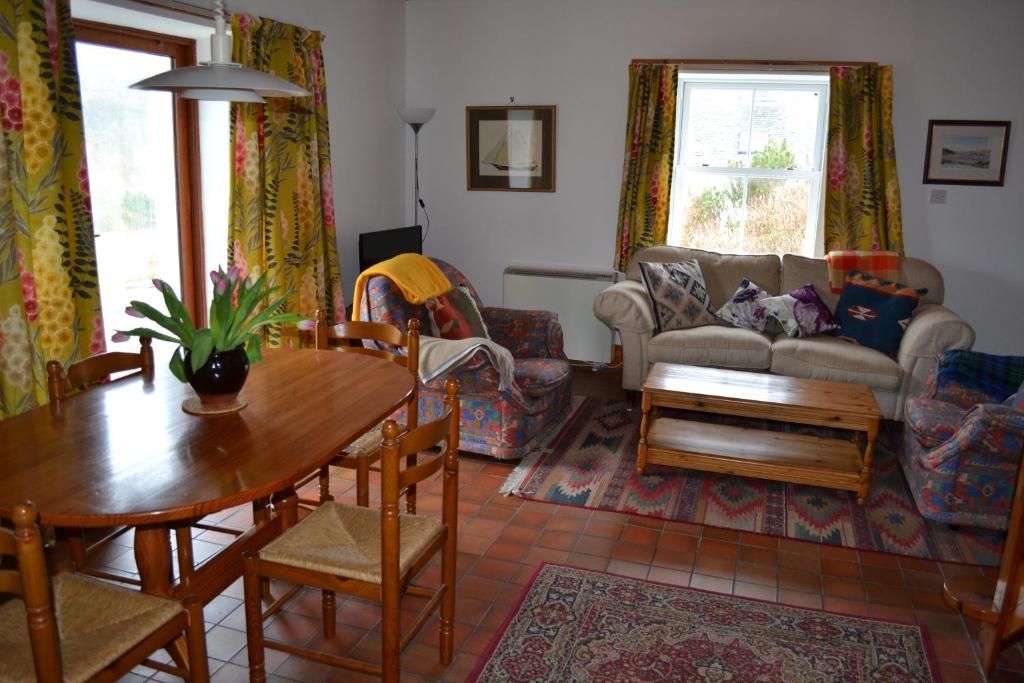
{"points": [[966, 152], [510, 148]]}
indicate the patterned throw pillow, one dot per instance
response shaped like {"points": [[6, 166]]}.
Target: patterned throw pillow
{"points": [[801, 312], [454, 315], [678, 295], [744, 308], [1016, 401], [875, 313]]}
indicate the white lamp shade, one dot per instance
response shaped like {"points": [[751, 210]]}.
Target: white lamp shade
{"points": [[416, 116], [214, 81]]}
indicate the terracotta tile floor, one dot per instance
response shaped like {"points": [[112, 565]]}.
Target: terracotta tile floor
{"points": [[502, 540]]}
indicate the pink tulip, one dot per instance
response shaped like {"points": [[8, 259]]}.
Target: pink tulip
{"points": [[159, 284], [214, 276], [307, 325], [133, 312], [233, 274], [222, 285], [119, 337]]}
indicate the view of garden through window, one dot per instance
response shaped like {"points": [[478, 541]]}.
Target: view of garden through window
{"points": [[748, 167]]}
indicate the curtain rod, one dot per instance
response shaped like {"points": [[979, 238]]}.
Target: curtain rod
{"points": [[752, 62]]}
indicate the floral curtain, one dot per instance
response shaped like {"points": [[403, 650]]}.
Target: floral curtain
{"points": [[647, 168], [49, 293], [862, 196], [282, 206]]}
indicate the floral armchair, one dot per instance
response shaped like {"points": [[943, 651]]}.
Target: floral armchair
{"points": [[963, 440], [502, 424]]}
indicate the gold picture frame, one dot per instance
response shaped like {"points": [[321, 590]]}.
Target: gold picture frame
{"points": [[510, 148]]}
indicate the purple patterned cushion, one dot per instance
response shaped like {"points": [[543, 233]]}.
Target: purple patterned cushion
{"points": [[801, 312], [744, 308], [678, 295]]}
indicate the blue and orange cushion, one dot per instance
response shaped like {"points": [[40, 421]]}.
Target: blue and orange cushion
{"points": [[874, 312], [454, 315]]}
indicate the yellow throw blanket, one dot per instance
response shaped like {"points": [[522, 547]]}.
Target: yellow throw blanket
{"points": [[415, 275]]}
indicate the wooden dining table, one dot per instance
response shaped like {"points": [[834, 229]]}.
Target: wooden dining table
{"points": [[125, 453]]}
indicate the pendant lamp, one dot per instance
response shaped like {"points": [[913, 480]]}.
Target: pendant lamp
{"points": [[221, 79]]}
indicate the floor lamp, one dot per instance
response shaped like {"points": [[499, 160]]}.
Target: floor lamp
{"points": [[416, 117]]}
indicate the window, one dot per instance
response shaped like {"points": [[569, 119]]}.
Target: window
{"points": [[748, 169]]}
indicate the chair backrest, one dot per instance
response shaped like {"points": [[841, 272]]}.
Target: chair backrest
{"points": [[31, 583], [397, 446], [385, 302], [95, 369]]}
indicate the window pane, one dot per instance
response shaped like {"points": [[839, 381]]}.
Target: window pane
{"points": [[130, 146], [776, 217], [783, 129], [711, 210], [718, 127]]}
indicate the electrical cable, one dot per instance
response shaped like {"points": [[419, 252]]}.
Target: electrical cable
{"points": [[427, 215]]}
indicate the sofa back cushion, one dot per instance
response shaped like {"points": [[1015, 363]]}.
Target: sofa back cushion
{"points": [[722, 272], [914, 273]]}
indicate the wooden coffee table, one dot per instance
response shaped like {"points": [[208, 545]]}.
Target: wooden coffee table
{"points": [[753, 452]]}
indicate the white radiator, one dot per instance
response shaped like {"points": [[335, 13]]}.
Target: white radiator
{"points": [[569, 293]]}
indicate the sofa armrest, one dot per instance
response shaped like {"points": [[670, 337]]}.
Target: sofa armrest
{"points": [[933, 330], [476, 375], [626, 308], [527, 334], [989, 436]]}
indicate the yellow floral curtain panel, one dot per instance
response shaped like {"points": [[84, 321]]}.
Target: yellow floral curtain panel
{"points": [[282, 207], [647, 168], [862, 194], [49, 294]]}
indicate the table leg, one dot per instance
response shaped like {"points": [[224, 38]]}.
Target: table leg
{"points": [[153, 558], [864, 484], [645, 423], [286, 503]]}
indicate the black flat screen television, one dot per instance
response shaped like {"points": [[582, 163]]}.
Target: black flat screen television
{"points": [[381, 245]]}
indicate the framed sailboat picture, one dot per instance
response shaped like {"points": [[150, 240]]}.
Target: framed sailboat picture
{"points": [[510, 148]]}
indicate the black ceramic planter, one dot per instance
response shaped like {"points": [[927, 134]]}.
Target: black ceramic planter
{"points": [[218, 382]]}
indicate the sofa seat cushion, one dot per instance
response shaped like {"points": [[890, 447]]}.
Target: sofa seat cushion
{"points": [[714, 346], [832, 359], [539, 376], [932, 422]]}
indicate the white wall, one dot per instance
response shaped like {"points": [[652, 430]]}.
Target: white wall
{"points": [[364, 60], [952, 59]]}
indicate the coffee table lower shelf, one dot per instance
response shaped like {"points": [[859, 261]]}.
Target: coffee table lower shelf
{"points": [[743, 451]]}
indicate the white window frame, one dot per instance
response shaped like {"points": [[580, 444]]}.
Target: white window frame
{"points": [[811, 82]]}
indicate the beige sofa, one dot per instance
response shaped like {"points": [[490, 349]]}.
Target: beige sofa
{"points": [[625, 307]]}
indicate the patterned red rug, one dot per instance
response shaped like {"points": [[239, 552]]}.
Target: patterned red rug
{"points": [[580, 625], [590, 464]]}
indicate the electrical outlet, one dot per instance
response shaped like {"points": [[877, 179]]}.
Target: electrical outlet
{"points": [[937, 197]]}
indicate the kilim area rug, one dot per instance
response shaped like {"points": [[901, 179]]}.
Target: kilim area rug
{"points": [[580, 625], [590, 464]]}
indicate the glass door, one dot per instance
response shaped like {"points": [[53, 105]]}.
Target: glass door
{"points": [[142, 170]]}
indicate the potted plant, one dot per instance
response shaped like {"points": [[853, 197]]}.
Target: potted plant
{"points": [[215, 359]]}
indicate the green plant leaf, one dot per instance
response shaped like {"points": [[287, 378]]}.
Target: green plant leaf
{"points": [[177, 365], [252, 348], [202, 346], [152, 334], [166, 322], [176, 308]]}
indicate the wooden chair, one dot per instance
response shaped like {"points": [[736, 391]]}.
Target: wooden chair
{"points": [[361, 455], [96, 369], [370, 553], [91, 631], [82, 376]]}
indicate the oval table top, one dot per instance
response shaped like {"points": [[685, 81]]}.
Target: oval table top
{"points": [[126, 453]]}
